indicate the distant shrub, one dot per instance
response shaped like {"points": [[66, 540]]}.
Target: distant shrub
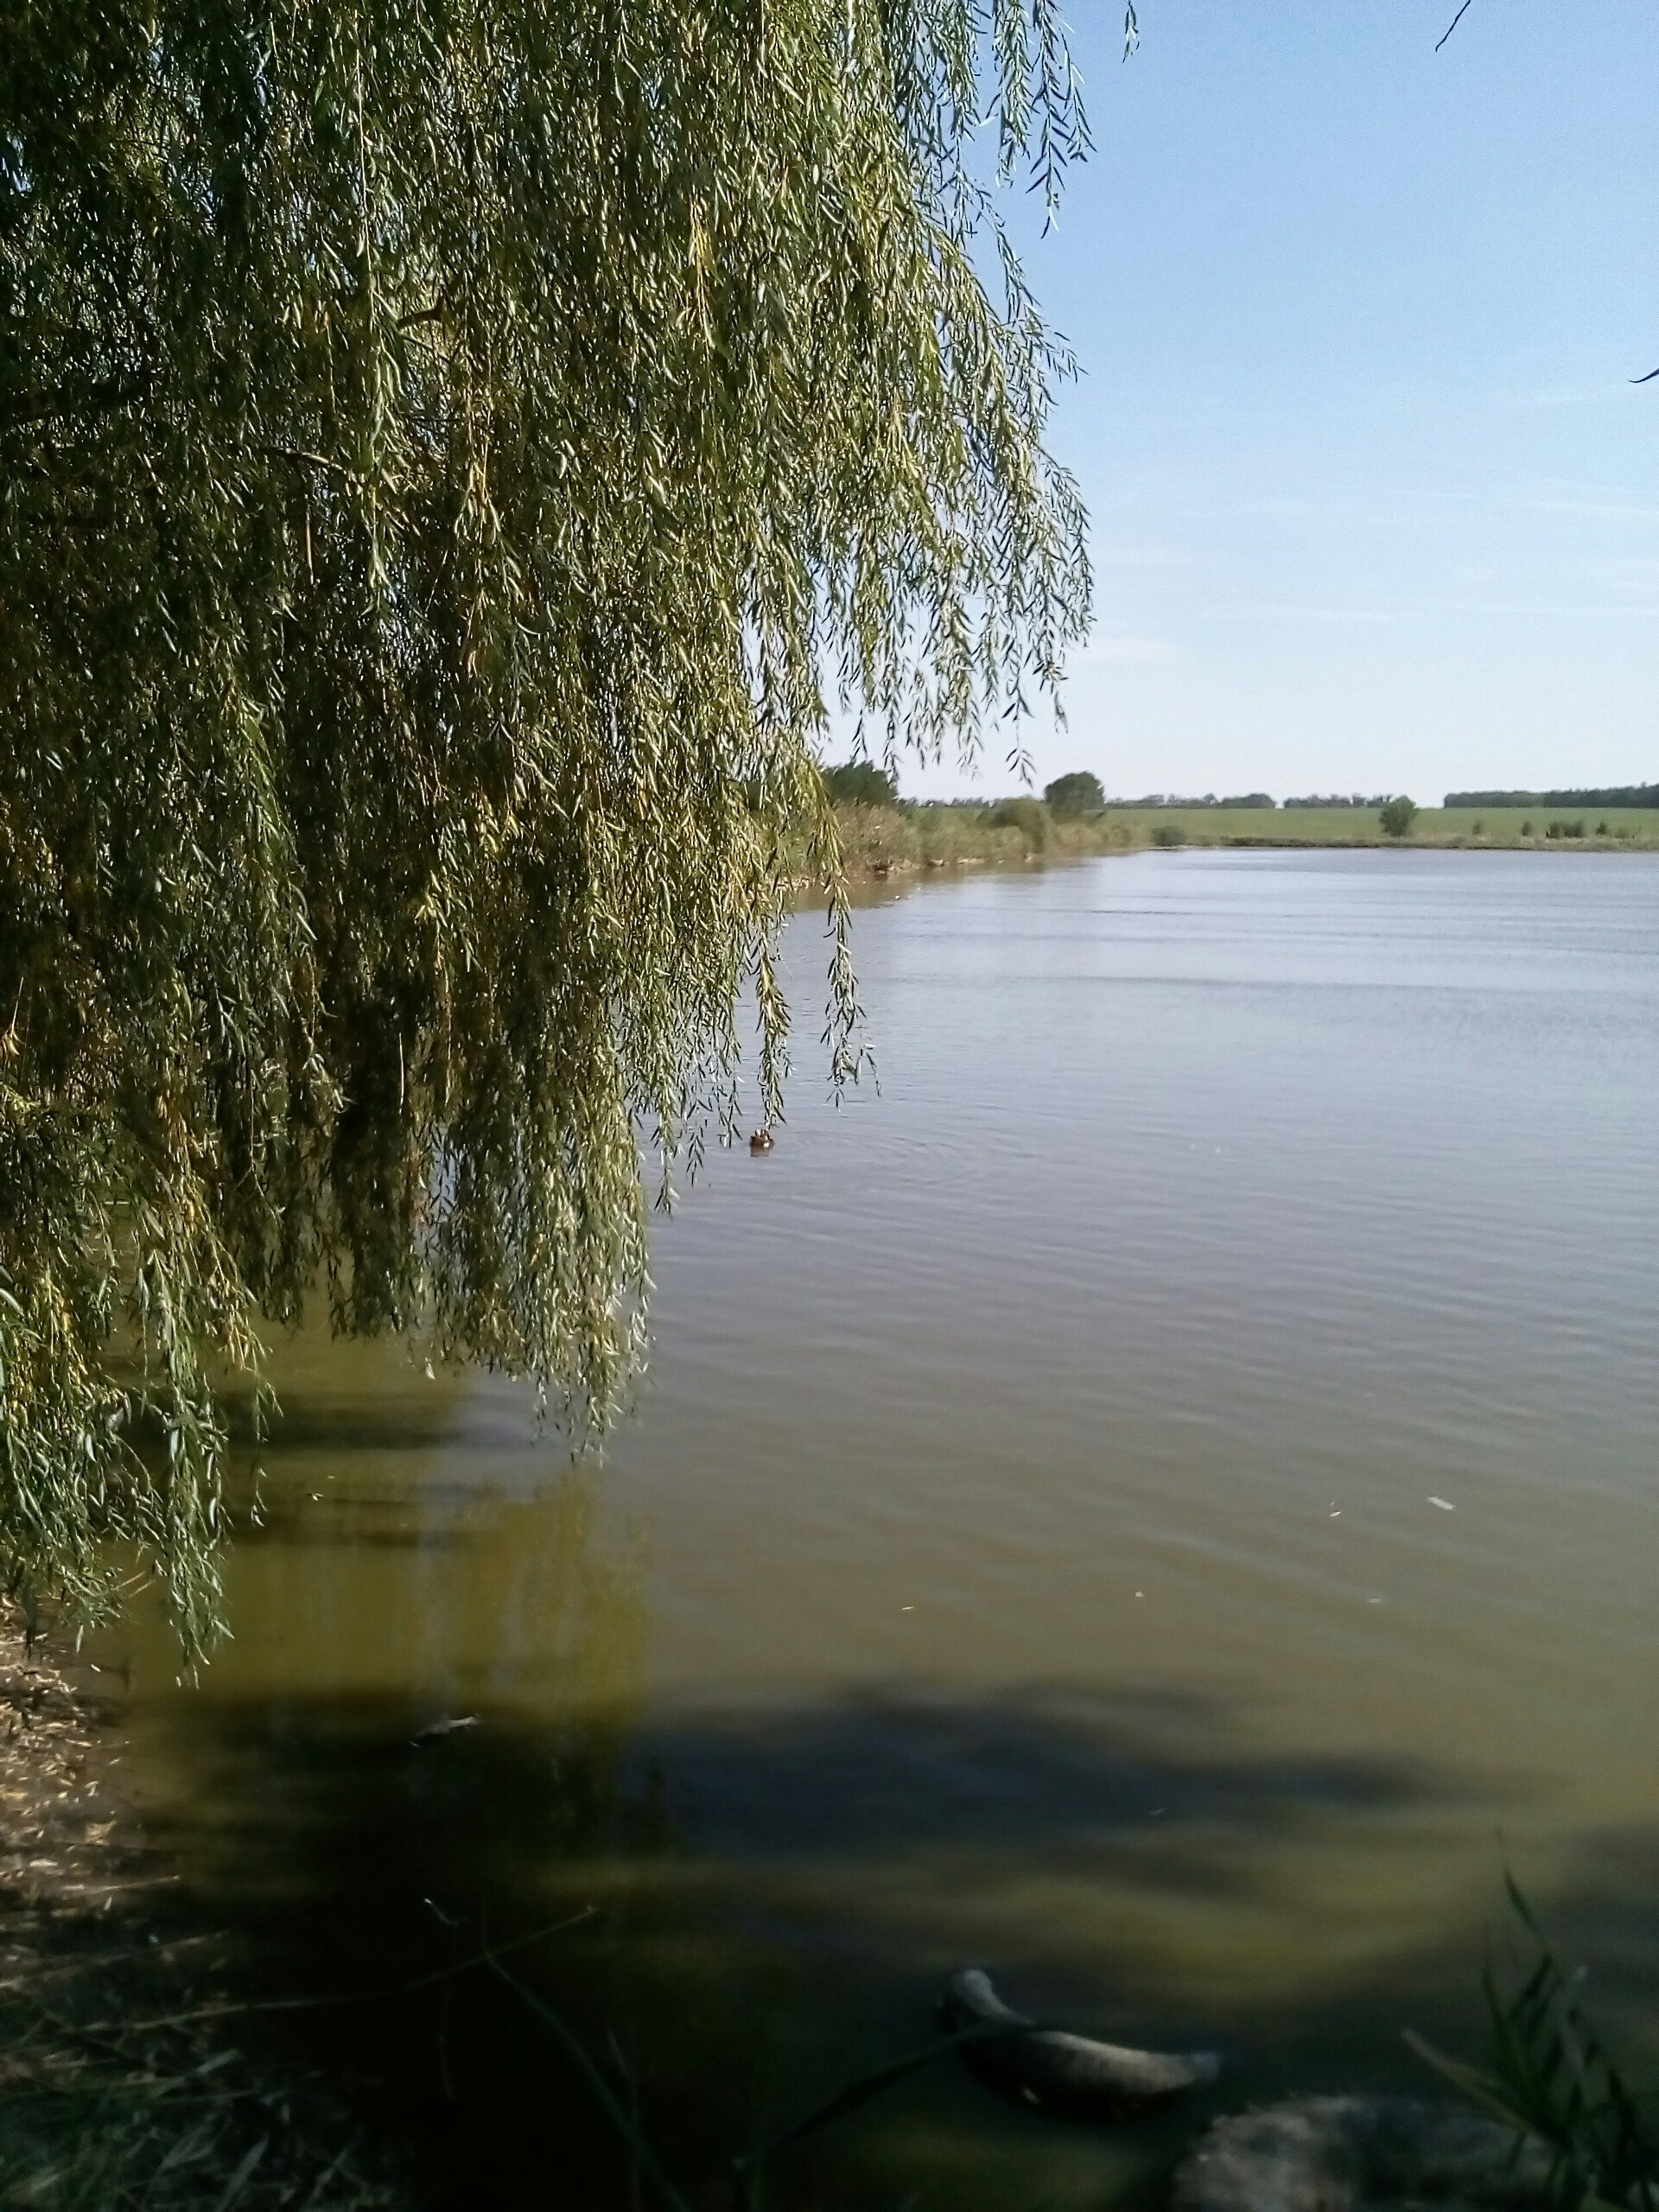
{"points": [[1397, 816], [1601, 829], [1169, 835], [1525, 830], [1252, 799], [860, 783], [1029, 816], [1480, 829], [1077, 793], [1561, 828]]}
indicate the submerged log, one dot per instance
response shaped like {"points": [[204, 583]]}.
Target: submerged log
{"points": [[1073, 2073]]}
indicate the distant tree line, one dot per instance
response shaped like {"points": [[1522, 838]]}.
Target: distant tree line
{"points": [[1342, 798], [861, 782], [1616, 795], [1170, 798]]}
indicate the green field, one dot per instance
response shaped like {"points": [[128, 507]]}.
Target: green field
{"points": [[877, 840], [1351, 825]]}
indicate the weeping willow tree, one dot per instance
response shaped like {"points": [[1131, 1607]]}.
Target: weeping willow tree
{"points": [[453, 454]]}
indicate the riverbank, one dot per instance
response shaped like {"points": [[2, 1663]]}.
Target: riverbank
{"points": [[879, 840], [131, 2068]]}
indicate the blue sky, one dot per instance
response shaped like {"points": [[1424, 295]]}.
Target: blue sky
{"points": [[1374, 504]]}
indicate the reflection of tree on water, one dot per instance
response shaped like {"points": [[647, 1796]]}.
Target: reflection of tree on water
{"points": [[359, 1860], [409, 1543], [569, 1611], [375, 1626], [553, 1623]]}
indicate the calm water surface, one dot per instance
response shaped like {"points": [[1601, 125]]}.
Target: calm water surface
{"points": [[1026, 1551]]}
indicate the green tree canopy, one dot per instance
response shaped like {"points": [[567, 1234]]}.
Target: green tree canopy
{"points": [[1028, 815], [1077, 793], [860, 783], [1397, 815], [449, 449]]}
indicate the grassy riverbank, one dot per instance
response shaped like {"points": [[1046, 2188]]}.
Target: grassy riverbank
{"points": [[883, 840], [1513, 827]]}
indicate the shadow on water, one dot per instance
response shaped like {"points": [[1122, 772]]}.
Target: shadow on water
{"points": [[1256, 1197], [1028, 1768], [723, 1993]]}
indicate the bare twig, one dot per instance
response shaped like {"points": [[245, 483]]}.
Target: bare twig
{"points": [[1452, 26]]}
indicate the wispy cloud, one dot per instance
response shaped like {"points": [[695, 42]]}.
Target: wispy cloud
{"points": [[1292, 613], [1613, 390], [1597, 510], [1546, 610], [1142, 653], [1141, 557]]}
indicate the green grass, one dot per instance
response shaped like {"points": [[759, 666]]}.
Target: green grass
{"points": [[880, 841], [1550, 2077], [1348, 825]]}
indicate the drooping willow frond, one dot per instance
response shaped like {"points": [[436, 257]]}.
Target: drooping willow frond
{"points": [[449, 454]]}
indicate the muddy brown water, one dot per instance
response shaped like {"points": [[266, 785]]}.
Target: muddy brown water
{"points": [[1025, 1552]]}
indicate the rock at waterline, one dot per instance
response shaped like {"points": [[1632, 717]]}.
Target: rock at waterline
{"points": [[1344, 2154]]}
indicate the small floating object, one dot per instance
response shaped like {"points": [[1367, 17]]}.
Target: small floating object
{"points": [[1445, 1504], [1047, 2066], [761, 1140], [436, 1731], [1342, 2154]]}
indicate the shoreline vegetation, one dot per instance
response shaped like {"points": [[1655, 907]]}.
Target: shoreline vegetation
{"points": [[895, 836]]}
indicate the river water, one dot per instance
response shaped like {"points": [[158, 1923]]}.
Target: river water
{"points": [[1158, 1499]]}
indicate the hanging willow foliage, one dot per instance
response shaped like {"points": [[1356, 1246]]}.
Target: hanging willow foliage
{"points": [[448, 451]]}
